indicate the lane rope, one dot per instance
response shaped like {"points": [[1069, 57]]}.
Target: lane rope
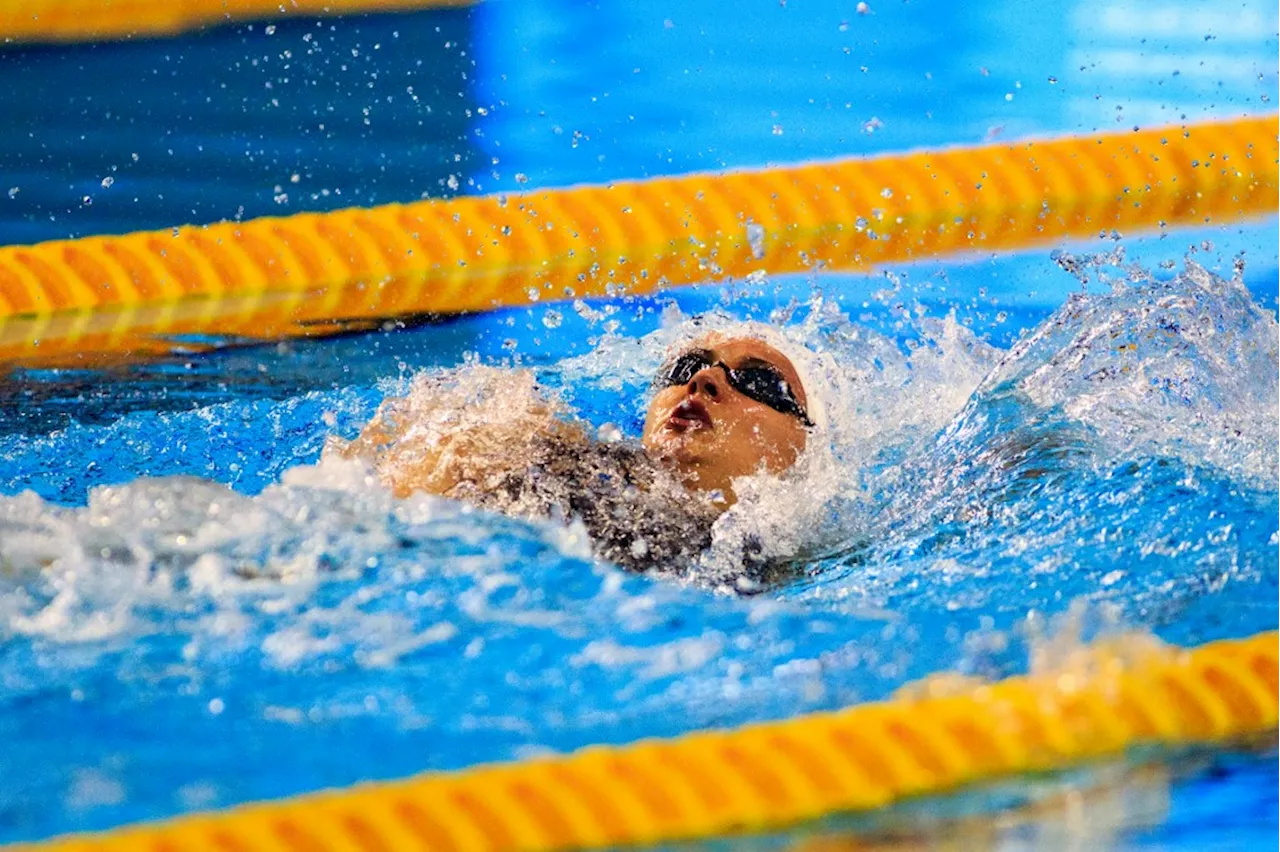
{"points": [[53, 21], [764, 776], [314, 273]]}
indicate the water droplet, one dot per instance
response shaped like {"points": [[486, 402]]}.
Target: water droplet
{"points": [[886, 193], [13, 191], [777, 130], [522, 178], [533, 294], [87, 200], [107, 182], [591, 315], [552, 318], [755, 239]]}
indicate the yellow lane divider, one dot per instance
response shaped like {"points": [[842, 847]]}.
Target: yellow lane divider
{"points": [[315, 272], [45, 21], [762, 776]]}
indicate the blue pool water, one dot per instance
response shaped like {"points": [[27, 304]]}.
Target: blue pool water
{"points": [[191, 616]]}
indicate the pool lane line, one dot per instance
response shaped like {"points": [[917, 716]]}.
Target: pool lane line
{"points": [[769, 775], [100, 298], [56, 21]]}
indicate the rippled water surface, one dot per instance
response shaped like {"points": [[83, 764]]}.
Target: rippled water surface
{"points": [[193, 613]]}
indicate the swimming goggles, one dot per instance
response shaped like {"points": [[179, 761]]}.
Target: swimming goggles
{"points": [[760, 382]]}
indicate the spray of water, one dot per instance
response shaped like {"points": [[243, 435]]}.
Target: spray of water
{"points": [[952, 502]]}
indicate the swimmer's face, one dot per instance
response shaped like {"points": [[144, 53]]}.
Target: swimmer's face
{"points": [[726, 407]]}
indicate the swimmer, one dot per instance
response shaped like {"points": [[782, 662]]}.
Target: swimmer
{"points": [[724, 407]]}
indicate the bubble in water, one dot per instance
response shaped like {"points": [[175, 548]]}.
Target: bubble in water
{"points": [[552, 318], [107, 182], [886, 193], [87, 200], [13, 192], [777, 130], [533, 294]]}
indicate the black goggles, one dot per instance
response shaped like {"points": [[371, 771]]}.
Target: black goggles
{"points": [[760, 382]]}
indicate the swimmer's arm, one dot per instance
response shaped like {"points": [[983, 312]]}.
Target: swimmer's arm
{"points": [[443, 459]]}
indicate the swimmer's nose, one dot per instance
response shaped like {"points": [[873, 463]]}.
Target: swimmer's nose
{"points": [[705, 381]]}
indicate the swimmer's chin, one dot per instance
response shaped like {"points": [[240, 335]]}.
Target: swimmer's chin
{"points": [[677, 446], [688, 465]]}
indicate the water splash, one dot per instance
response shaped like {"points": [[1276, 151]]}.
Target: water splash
{"points": [[1122, 454], [1122, 451]]}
